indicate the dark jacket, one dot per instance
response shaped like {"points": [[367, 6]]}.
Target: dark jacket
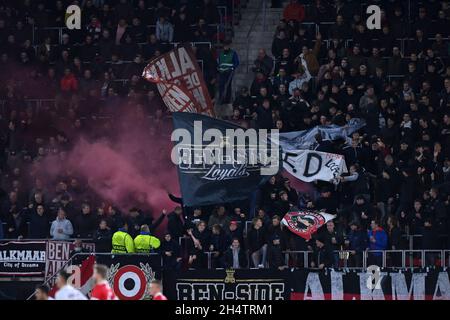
{"points": [[228, 258], [358, 240], [275, 256], [175, 225], [85, 225], [102, 239], [173, 247], [39, 226], [323, 255], [256, 239]]}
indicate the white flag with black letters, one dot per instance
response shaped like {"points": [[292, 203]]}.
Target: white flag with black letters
{"points": [[310, 165]]}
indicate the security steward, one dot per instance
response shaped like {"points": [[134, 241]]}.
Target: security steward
{"points": [[145, 243], [122, 242]]}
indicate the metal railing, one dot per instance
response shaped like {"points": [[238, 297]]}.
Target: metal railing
{"points": [[401, 259]]}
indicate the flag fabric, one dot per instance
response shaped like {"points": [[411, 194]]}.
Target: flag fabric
{"points": [[221, 180], [180, 81], [86, 273], [305, 223], [310, 165], [306, 139]]}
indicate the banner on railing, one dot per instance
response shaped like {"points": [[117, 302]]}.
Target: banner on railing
{"points": [[22, 258], [59, 252], [227, 284], [359, 285], [304, 284]]}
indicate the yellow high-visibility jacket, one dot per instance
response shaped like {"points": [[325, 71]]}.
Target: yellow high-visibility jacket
{"points": [[122, 242], [144, 243]]}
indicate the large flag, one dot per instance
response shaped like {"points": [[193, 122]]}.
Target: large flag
{"points": [[305, 223], [83, 277], [218, 161], [180, 81], [310, 165], [306, 139]]}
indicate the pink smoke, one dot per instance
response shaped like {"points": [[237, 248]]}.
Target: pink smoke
{"points": [[127, 167]]}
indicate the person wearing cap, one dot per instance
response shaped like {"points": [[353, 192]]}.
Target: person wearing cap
{"points": [[234, 231], [227, 62]]}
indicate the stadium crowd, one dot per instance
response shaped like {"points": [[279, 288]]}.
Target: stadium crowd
{"points": [[396, 78]]}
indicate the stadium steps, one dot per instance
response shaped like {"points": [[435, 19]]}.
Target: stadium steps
{"points": [[251, 36]]}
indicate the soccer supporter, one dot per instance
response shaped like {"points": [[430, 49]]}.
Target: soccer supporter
{"points": [[235, 256], [171, 253], [61, 228], [257, 243], [65, 290], [102, 290], [399, 162]]}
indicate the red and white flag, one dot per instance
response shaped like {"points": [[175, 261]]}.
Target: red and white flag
{"points": [[82, 278], [180, 82], [305, 223]]}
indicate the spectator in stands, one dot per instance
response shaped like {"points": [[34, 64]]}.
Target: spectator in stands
{"points": [[322, 255], [171, 253], [219, 217], [164, 30], [257, 243], [102, 237], [39, 223], [334, 240], [235, 257], [378, 241], [234, 231], [294, 11], [198, 246], [429, 240], [85, 223], [217, 246], [275, 256], [264, 63], [356, 242], [61, 228], [175, 224]]}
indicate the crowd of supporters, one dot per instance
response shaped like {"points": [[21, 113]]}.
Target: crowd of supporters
{"points": [[396, 78]]}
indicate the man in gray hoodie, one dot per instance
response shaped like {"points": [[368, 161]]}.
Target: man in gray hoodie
{"points": [[61, 228]]}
